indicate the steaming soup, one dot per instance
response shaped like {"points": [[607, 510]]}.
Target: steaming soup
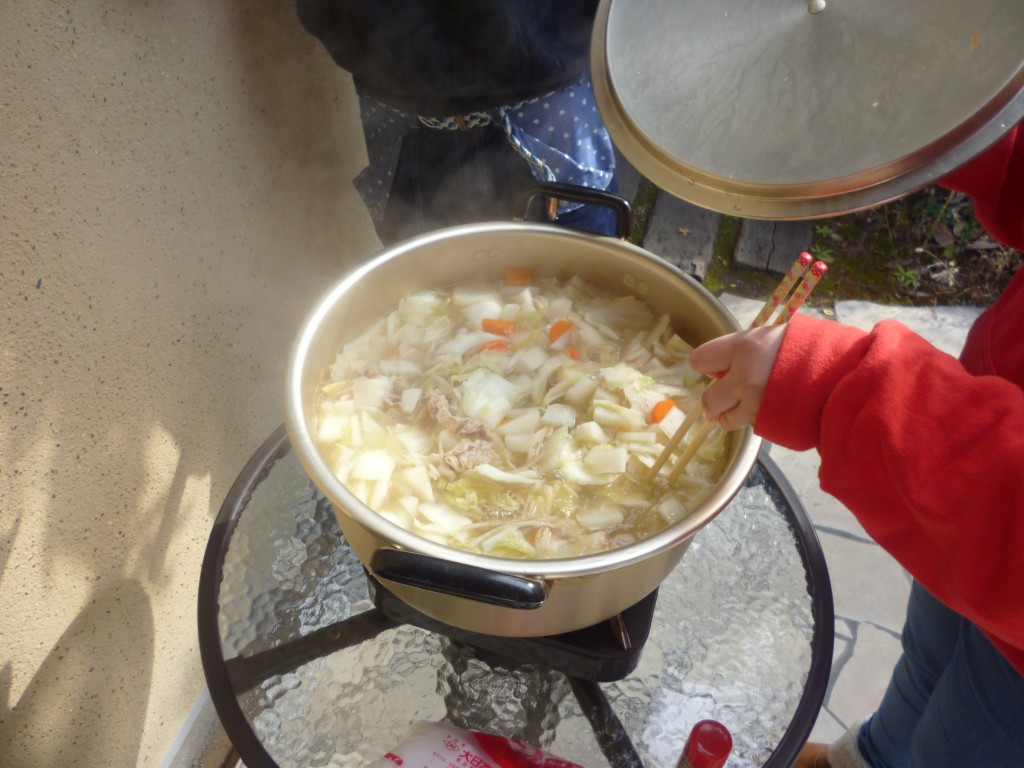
{"points": [[516, 418]]}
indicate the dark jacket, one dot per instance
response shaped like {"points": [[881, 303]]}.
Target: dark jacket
{"points": [[445, 57]]}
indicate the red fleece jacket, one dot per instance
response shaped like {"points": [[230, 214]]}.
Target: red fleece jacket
{"points": [[927, 450]]}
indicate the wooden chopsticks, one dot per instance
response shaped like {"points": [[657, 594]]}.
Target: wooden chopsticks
{"points": [[798, 275]]}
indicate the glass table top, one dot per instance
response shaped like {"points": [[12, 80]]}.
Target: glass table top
{"points": [[304, 670]]}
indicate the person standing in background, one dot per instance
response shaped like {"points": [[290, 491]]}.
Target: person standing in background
{"points": [[464, 102]]}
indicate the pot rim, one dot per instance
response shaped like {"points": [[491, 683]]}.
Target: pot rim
{"points": [[391, 534]]}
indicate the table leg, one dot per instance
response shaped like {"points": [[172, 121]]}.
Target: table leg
{"points": [[246, 672], [611, 736]]}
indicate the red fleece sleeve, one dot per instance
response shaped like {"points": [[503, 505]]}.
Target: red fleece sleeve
{"points": [[815, 356], [926, 455], [995, 181]]}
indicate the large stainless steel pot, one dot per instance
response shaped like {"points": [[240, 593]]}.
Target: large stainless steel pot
{"points": [[502, 596]]}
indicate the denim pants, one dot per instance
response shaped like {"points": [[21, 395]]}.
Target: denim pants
{"points": [[953, 700], [595, 219]]}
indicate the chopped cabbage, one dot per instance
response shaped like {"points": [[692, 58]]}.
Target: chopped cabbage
{"points": [[411, 398], [515, 445], [415, 481], [606, 459], [527, 421], [370, 393], [601, 517], [486, 307], [590, 432], [440, 518], [611, 415], [507, 541], [372, 465], [488, 397], [560, 415], [526, 477]]}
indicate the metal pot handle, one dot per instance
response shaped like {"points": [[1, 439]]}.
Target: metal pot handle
{"points": [[557, 190], [458, 579]]}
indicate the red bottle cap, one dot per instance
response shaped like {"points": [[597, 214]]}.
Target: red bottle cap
{"points": [[709, 745]]}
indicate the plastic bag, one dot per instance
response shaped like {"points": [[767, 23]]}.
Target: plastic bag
{"points": [[437, 745]]}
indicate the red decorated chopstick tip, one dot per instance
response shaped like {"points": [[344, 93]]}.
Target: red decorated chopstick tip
{"points": [[777, 298], [802, 291]]}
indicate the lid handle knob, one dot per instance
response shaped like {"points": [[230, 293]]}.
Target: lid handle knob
{"points": [[816, 6]]}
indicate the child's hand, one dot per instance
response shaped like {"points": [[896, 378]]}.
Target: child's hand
{"points": [[745, 361]]}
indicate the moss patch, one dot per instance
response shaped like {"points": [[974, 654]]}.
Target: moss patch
{"points": [[724, 276], [924, 249], [643, 206]]}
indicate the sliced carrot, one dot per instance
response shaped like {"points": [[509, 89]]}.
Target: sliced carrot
{"points": [[518, 276], [497, 344], [558, 329], [502, 327], [661, 409], [572, 352]]}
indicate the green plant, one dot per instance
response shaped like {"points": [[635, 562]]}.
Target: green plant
{"points": [[908, 278], [822, 253]]}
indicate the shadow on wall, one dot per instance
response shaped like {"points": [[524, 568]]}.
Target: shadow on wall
{"points": [[112, 640], [307, 106], [153, 297]]}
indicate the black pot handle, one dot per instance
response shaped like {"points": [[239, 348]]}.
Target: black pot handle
{"points": [[458, 579], [560, 191]]}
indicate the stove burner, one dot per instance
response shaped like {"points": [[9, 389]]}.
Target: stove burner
{"points": [[604, 652]]}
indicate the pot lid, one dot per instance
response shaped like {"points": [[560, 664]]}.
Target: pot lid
{"points": [[790, 109]]}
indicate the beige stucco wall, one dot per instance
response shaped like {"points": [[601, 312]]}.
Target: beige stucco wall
{"points": [[175, 192]]}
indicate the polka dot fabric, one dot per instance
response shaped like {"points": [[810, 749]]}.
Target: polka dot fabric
{"points": [[560, 135]]}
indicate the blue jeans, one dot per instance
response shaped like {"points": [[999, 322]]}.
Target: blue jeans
{"points": [[953, 700], [596, 219]]}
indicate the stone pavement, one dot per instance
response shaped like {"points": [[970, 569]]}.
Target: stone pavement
{"points": [[869, 587], [684, 234]]}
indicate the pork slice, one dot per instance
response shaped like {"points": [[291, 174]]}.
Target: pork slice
{"points": [[440, 410], [470, 453]]}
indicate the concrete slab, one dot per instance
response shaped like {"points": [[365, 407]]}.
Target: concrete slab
{"points": [[827, 728], [772, 245], [868, 585], [682, 234], [801, 468], [945, 327], [746, 310], [627, 176], [862, 675]]}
